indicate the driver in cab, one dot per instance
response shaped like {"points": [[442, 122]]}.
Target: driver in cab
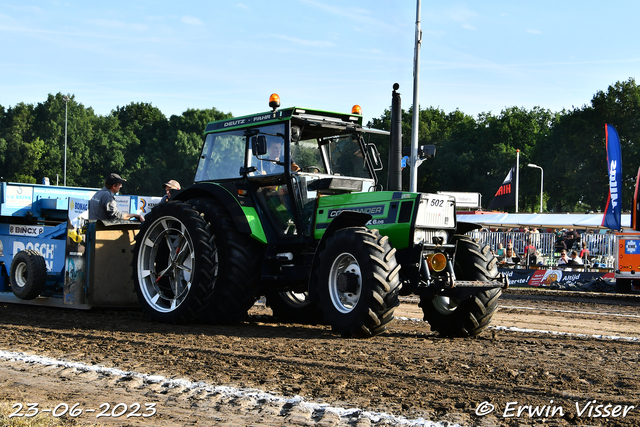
{"points": [[275, 157]]}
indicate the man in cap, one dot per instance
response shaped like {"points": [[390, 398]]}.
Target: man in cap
{"points": [[103, 204], [168, 186]]}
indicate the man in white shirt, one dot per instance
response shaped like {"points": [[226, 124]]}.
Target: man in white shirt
{"points": [[576, 259]]}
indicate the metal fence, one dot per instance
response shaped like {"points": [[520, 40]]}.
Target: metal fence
{"points": [[601, 246]]}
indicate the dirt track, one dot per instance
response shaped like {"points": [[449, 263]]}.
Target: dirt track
{"points": [[406, 375]]}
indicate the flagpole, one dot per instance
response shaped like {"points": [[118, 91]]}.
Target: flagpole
{"points": [[517, 176], [413, 184]]}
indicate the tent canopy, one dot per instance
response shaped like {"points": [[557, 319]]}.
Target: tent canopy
{"points": [[550, 220]]}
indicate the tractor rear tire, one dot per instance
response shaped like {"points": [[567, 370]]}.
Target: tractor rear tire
{"points": [[453, 317], [28, 274], [176, 264], [294, 307], [240, 260], [357, 282]]}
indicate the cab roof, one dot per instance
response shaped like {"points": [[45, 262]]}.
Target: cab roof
{"points": [[319, 117]]}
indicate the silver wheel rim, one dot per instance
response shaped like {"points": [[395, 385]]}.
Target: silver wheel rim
{"points": [[295, 299], [445, 305], [21, 275], [345, 283], [165, 263]]}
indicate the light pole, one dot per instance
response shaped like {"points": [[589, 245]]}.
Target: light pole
{"points": [[531, 165], [66, 103]]}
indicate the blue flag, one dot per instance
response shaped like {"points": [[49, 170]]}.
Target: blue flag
{"points": [[613, 210]]}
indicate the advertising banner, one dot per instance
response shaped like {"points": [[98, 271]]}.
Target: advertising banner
{"points": [[124, 203], [544, 278], [613, 210], [143, 204], [75, 291]]}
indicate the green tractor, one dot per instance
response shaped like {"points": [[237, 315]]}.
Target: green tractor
{"points": [[286, 204]]}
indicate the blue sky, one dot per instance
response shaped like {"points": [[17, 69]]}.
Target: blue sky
{"points": [[476, 56]]}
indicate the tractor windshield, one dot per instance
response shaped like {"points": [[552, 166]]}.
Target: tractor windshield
{"points": [[334, 155], [222, 156], [345, 156]]}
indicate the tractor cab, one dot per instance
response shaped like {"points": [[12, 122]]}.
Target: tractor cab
{"points": [[289, 158]]}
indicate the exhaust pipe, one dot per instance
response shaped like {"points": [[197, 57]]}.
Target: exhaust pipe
{"points": [[394, 181]]}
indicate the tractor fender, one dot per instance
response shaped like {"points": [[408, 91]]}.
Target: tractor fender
{"points": [[343, 220], [465, 227], [220, 193]]}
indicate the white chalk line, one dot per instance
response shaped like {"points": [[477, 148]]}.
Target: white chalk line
{"points": [[542, 331], [570, 334], [405, 299], [227, 391], [595, 313]]}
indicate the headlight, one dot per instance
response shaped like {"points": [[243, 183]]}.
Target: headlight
{"points": [[441, 234], [422, 235], [419, 236]]}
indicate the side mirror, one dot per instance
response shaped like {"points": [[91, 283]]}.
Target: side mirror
{"points": [[259, 145], [374, 155]]}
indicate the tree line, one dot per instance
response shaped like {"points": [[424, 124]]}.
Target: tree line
{"points": [[473, 154], [137, 141]]}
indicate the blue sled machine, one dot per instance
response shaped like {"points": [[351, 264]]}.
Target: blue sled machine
{"points": [[51, 254]]}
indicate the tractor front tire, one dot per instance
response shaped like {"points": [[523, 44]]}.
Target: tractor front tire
{"points": [[453, 317], [357, 282], [28, 274]]}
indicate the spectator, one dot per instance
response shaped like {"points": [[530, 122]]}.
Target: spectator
{"points": [[560, 244], [510, 257], [168, 186], [584, 252], [569, 238], [575, 259], [500, 250], [563, 260], [530, 253], [535, 237]]}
